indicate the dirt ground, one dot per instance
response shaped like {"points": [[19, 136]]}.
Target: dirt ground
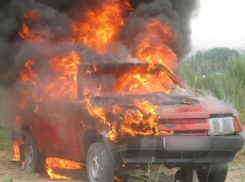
{"points": [[10, 170]]}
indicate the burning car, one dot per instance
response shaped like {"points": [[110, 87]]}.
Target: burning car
{"points": [[128, 114]]}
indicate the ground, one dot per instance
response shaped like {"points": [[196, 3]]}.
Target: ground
{"points": [[13, 172]]}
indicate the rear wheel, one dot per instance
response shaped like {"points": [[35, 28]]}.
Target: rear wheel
{"points": [[34, 160], [100, 166], [216, 173]]}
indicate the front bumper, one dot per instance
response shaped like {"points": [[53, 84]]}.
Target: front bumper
{"points": [[180, 149]]}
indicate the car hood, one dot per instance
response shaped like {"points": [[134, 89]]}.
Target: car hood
{"points": [[200, 109], [170, 106]]}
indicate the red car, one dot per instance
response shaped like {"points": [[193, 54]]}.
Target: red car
{"points": [[188, 132]]}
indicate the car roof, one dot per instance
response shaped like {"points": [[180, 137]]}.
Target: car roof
{"points": [[116, 63], [123, 63]]}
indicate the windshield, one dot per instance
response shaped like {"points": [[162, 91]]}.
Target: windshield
{"points": [[121, 80]]}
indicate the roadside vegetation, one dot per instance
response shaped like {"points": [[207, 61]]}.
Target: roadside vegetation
{"points": [[8, 180], [5, 142], [153, 173], [219, 72], [148, 175]]}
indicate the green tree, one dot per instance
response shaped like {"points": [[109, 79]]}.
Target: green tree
{"points": [[226, 80], [220, 54], [199, 56]]}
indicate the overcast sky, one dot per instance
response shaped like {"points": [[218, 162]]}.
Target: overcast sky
{"points": [[221, 23]]}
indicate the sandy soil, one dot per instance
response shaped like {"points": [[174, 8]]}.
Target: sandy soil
{"points": [[13, 170], [10, 170]]}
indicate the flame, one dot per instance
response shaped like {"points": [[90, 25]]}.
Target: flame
{"points": [[64, 85], [152, 44], [27, 73], [95, 69], [135, 122], [36, 108], [88, 70], [117, 179], [142, 120], [145, 83], [186, 102], [32, 14], [16, 149], [20, 106], [52, 163], [52, 175], [26, 34], [97, 30], [170, 132], [97, 112], [18, 121], [116, 109], [82, 123], [102, 23]]}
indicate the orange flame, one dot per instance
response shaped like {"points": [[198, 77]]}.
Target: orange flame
{"points": [[152, 44], [25, 33], [52, 163], [97, 112], [117, 179], [82, 123], [64, 85], [36, 109], [142, 121], [16, 149], [27, 73], [32, 14], [102, 24], [116, 109], [98, 30], [18, 121], [145, 83]]}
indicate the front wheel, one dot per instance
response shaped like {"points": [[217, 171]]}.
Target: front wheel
{"points": [[217, 173], [34, 160], [100, 166]]}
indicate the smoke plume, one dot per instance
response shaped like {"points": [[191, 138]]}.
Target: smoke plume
{"points": [[54, 20], [36, 34]]}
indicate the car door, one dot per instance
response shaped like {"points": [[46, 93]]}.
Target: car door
{"points": [[63, 131], [39, 122]]}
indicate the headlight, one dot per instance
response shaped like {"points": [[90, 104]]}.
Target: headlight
{"points": [[221, 126]]}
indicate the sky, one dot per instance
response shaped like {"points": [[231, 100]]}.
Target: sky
{"points": [[220, 23]]}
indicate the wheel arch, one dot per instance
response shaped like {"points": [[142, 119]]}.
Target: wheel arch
{"points": [[90, 136]]}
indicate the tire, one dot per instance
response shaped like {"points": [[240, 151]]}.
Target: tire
{"points": [[34, 160], [100, 166], [217, 173]]}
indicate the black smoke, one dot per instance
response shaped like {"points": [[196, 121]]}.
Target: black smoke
{"points": [[56, 18], [54, 24]]}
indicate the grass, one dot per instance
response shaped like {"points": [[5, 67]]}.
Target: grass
{"points": [[5, 142], [237, 166], [225, 81], [8, 180], [148, 176]]}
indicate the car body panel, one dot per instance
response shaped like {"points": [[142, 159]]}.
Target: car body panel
{"points": [[65, 133]]}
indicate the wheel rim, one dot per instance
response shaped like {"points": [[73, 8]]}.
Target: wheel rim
{"points": [[94, 168], [29, 156]]}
